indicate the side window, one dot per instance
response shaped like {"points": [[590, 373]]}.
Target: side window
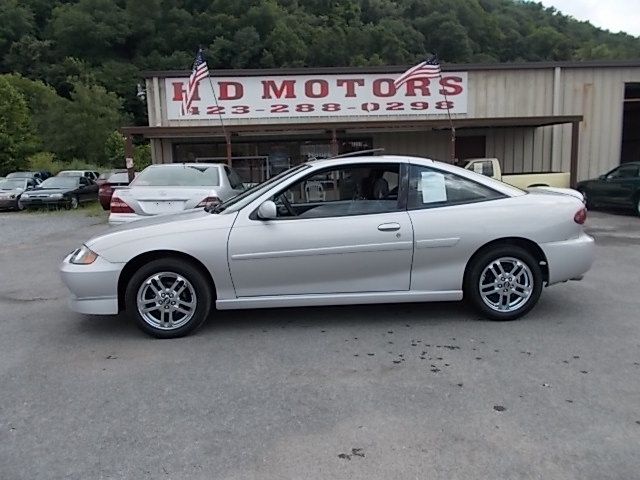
{"points": [[358, 189], [630, 171], [429, 188]]}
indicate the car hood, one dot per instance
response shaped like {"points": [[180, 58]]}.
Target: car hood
{"points": [[13, 191], [161, 230], [557, 191]]}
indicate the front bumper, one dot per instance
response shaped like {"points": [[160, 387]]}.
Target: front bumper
{"points": [[569, 259], [94, 288], [45, 202], [8, 203]]}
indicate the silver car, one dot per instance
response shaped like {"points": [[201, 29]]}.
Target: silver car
{"points": [[171, 188], [340, 231]]}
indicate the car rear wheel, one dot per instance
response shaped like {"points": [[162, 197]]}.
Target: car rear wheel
{"points": [[168, 298], [504, 283]]}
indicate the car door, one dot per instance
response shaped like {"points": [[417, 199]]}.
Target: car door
{"points": [[614, 187], [622, 185], [342, 229], [84, 189], [451, 218]]}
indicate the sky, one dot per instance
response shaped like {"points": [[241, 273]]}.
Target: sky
{"points": [[614, 15]]}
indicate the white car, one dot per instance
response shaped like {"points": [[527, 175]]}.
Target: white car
{"points": [[334, 232], [174, 187]]}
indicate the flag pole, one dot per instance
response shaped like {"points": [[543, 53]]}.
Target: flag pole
{"points": [[452, 142], [227, 137], [452, 146]]}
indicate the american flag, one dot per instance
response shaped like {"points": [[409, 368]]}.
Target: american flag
{"points": [[430, 68], [200, 70]]}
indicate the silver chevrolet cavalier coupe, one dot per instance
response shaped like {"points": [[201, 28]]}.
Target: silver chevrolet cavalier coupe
{"points": [[355, 230]]}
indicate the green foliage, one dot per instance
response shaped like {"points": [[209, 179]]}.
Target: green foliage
{"points": [[16, 139], [142, 157], [114, 150], [45, 161]]}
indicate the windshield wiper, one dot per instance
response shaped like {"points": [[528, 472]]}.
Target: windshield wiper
{"points": [[215, 208]]}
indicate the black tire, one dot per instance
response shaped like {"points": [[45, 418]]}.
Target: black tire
{"points": [[481, 261], [637, 205], [191, 273]]}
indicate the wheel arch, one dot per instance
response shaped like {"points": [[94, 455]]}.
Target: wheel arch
{"points": [[136, 262], [529, 245]]}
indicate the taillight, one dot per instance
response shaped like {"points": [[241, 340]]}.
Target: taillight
{"points": [[104, 189], [119, 206], [581, 216], [208, 201]]}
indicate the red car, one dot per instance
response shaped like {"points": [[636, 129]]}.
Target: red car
{"points": [[108, 186]]}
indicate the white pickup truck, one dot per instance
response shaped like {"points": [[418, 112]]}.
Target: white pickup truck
{"points": [[491, 168]]}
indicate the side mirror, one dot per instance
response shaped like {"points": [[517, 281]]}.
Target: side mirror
{"points": [[602, 177], [267, 211]]}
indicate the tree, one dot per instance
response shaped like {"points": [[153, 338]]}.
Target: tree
{"points": [[16, 139]]}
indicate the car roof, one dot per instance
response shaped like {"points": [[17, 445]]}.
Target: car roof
{"points": [[191, 164]]}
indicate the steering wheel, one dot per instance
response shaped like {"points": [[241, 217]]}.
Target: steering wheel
{"points": [[287, 205]]}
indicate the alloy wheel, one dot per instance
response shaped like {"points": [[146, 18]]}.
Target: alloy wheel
{"points": [[166, 301], [506, 284]]}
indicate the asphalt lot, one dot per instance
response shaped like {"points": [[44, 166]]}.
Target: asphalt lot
{"points": [[385, 392]]}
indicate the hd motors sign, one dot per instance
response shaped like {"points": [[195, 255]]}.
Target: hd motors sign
{"points": [[307, 96]]}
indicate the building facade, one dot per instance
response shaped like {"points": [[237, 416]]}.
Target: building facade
{"points": [[533, 117]]}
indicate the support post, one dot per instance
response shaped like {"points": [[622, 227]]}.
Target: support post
{"points": [[575, 142], [334, 143], [227, 137], [128, 155]]}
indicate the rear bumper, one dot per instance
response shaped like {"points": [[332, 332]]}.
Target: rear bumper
{"points": [[120, 218], [94, 288], [569, 259]]}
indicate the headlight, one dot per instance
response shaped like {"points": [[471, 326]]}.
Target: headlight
{"points": [[25, 195], [12, 196], [83, 256], [55, 195]]}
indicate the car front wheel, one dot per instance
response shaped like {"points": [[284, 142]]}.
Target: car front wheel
{"points": [[504, 283], [168, 298]]}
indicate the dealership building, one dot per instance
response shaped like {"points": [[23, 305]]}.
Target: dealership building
{"points": [[582, 118]]}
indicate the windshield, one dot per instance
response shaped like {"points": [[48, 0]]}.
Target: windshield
{"points": [[60, 182], [11, 184], [70, 173], [236, 203], [178, 176]]}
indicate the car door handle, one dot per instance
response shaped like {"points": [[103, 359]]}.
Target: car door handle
{"points": [[389, 227]]}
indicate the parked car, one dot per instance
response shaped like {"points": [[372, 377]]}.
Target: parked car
{"points": [[338, 231], [106, 188], [171, 188], [91, 175], [11, 189], [65, 191], [32, 175], [104, 176], [491, 168], [618, 188]]}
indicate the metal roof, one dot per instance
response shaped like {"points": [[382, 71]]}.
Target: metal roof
{"points": [[388, 126], [450, 67]]}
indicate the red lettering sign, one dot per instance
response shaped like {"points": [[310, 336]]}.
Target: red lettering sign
{"points": [[316, 88], [225, 93], [270, 89], [383, 87]]}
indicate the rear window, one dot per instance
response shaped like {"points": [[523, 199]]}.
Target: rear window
{"points": [[178, 176]]}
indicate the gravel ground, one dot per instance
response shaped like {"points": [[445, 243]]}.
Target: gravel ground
{"points": [[389, 392]]}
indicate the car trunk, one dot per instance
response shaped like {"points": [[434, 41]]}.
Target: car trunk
{"points": [[160, 200]]}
